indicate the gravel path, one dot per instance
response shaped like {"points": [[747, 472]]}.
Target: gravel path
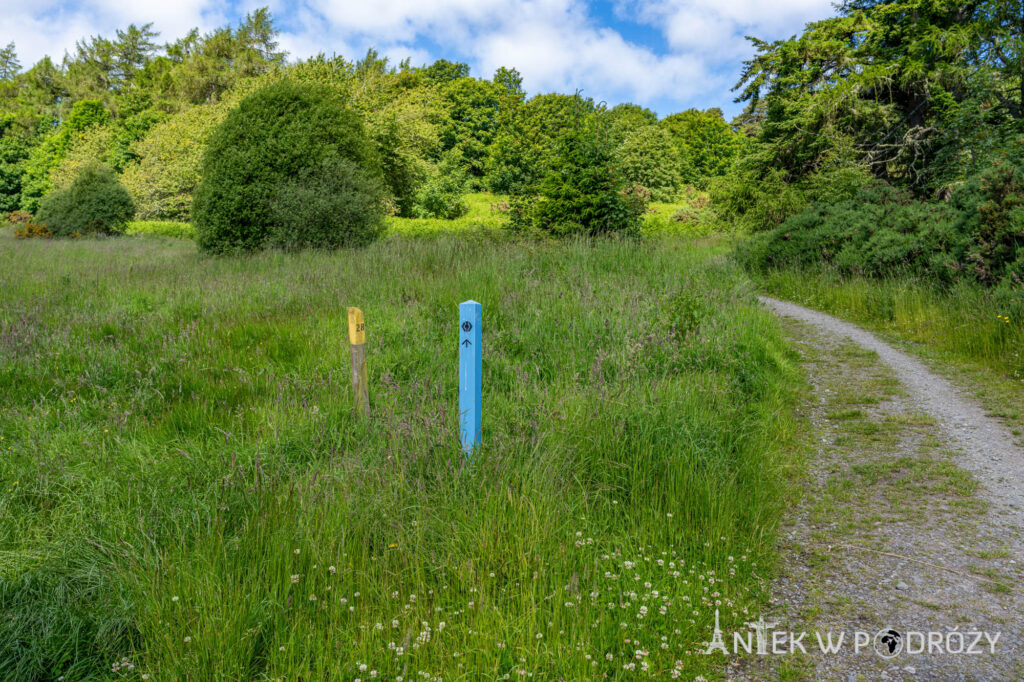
{"points": [[987, 447], [911, 518]]}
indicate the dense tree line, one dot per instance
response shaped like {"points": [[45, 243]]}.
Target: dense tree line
{"points": [[149, 110], [907, 110]]}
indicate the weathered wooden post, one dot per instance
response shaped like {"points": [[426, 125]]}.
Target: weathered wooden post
{"points": [[470, 382], [357, 344]]}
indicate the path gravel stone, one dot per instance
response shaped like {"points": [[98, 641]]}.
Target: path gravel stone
{"points": [[911, 518], [987, 447]]}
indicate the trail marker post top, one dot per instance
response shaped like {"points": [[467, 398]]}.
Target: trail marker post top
{"points": [[470, 371], [356, 327], [357, 344]]}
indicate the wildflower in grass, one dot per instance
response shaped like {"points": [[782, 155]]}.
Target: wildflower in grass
{"points": [[312, 597], [295, 578], [332, 570], [174, 598], [187, 640]]}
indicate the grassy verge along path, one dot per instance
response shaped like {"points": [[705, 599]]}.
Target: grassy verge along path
{"points": [[188, 494], [972, 335]]}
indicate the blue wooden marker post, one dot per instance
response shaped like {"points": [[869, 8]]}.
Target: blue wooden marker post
{"points": [[470, 366]]}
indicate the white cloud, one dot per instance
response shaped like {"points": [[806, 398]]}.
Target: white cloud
{"points": [[52, 28], [555, 44], [599, 61], [699, 24]]}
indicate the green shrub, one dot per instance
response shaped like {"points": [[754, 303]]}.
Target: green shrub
{"points": [[164, 179], [273, 148], [648, 158], [527, 139], [95, 202], [755, 202], [756, 196], [583, 194], [991, 206], [441, 196], [705, 139], [977, 235], [331, 205], [47, 155]]}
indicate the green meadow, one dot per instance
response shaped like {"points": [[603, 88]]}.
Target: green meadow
{"points": [[188, 493]]}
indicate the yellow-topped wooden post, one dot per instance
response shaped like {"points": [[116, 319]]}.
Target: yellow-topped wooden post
{"points": [[357, 343]]}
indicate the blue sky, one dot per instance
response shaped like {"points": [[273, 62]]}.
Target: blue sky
{"points": [[668, 55]]}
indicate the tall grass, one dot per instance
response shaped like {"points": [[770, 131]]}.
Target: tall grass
{"points": [[188, 494]]}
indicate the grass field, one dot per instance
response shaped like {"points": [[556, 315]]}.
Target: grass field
{"points": [[188, 494], [484, 219]]}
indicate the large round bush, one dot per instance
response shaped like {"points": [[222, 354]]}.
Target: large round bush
{"points": [[94, 202], [648, 158], [583, 194], [279, 169]]}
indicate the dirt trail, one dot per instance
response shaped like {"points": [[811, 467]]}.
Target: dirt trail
{"points": [[987, 447], [912, 519]]}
